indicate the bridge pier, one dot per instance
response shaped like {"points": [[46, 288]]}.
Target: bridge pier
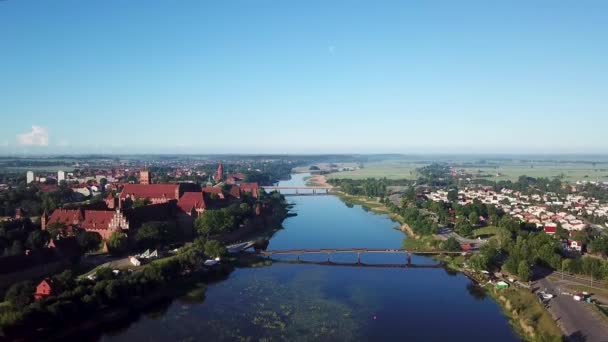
{"points": [[358, 257], [328, 255], [409, 259]]}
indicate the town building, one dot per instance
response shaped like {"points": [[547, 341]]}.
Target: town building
{"points": [[29, 177], [192, 203], [218, 176], [155, 193], [45, 288], [144, 177], [60, 176], [104, 222]]}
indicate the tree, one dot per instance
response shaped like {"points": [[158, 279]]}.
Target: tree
{"points": [[214, 221], [140, 202], [89, 241], [102, 184], [474, 218], [155, 234], [464, 228], [452, 195], [214, 249], [117, 243], [524, 272], [37, 239], [21, 294], [65, 280], [56, 229], [451, 244]]}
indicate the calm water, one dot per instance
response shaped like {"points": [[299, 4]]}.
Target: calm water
{"points": [[331, 303]]}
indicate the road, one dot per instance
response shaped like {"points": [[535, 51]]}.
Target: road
{"points": [[579, 321], [445, 233]]}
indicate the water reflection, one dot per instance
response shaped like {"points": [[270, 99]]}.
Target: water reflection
{"points": [[286, 302]]}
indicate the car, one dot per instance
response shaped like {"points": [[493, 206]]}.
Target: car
{"points": [[545, 295]]}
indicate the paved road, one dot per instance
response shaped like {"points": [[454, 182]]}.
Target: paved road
{"points": [[578, 320], [445, 233]]}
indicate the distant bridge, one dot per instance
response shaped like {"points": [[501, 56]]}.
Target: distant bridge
{"points": [[301, 190], [357, 264], [358, 251]]}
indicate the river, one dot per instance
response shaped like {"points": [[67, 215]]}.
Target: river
{"points": [[303, 302]]}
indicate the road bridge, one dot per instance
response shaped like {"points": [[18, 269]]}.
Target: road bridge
{"points": [[301, 190], [357, 264], [358, 251]]}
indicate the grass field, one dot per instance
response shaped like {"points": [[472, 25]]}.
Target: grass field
{"points": [[389, 169], [495, 171], [570, 171], [490, 230]]}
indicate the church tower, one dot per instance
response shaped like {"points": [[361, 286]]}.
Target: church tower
{"points": [[219, 174], [144, 177]]}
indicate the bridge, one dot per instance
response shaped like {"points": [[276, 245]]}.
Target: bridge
{"points": [[357, 264], [358, 251], [307, 190]]}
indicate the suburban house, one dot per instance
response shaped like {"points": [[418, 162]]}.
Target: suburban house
{"points": [[45, 288]]}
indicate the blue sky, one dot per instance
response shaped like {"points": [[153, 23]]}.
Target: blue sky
{"points": [[303, 76]]}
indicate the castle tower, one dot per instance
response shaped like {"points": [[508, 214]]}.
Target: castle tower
{"points": [[144, 177]]}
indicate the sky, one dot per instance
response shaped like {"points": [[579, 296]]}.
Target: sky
{"points": [[261, 76]]}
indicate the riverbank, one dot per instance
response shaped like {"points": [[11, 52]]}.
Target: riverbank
{"points": [[318, 180], [527, 317]]}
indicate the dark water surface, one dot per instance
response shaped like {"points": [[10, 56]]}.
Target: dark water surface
{"points": [[300, 302]]}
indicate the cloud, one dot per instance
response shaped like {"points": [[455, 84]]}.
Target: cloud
{"points": [[38, 136]]}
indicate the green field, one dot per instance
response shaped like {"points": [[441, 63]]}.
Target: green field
{"points": [[492, 170], [569, 171], [389, 169], [490, 230]]}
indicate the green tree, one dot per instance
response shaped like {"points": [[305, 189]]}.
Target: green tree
{"points": [[20, 294], [474, 218], [117, 243], [452, 195], [65, 280], [214, 222], [214, 249], [464, 228], [451, 244], [140, 202], [524, 272], [56, 229], [155, 234], [37, 239], [89, 241]]}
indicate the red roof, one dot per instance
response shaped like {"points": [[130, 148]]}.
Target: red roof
{"points": [[250, 187], [150, 191], [96, 219], [191, 200], [65, 216], [466, 246], [550, 229], [87, 219], [235, 191], [47, 187]]}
